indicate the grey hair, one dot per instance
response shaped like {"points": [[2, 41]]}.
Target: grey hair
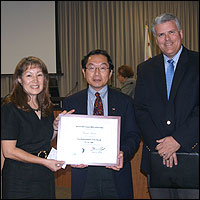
{"points": [[165, 18]]}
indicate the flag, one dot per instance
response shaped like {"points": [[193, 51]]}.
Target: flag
{"points": [[147, 47]]}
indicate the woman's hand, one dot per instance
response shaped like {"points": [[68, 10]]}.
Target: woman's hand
{"points": [[53, 165], [55, 123]]}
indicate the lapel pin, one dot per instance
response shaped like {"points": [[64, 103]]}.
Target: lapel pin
{"points": [[113, 109]]}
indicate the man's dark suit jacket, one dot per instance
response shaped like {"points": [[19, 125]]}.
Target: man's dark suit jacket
{"points": [[156, 116], [119, 104]]}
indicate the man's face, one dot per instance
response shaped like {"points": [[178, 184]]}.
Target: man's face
{"points": [[168, 38], [97, 72]]}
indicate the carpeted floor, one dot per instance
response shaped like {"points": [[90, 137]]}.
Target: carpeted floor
{"points": [[63, 193]]}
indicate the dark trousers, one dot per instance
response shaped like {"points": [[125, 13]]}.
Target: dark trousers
{"points": [[172, 193], [99, 184], [169, 193]]}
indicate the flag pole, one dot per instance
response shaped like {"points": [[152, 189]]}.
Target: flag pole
{"points": [[147, 50]]}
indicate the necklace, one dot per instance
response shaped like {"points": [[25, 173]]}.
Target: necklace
{"points": [[38, 109]]}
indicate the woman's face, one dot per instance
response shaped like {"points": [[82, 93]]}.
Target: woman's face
{"points": [[120, 78], [32, 80]]}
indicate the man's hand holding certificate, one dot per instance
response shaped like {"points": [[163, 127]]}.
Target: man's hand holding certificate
{"points": [[88, 140]]}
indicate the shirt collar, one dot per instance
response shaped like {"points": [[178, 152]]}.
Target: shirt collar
{"points": [[175, 58], [102, 92]]}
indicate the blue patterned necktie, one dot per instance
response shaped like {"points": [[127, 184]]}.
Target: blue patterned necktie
{"points": [[169, 76], [98, 105]]}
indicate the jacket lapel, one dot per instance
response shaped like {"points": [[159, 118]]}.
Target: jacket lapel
{"points": [[112, 105], [82, 105], [179, 73], [160, 76]]}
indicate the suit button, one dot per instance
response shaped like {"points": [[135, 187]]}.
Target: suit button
{"points": [[168, 122]]}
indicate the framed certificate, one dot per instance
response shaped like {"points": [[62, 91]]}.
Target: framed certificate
{"points": [[88, 139]]}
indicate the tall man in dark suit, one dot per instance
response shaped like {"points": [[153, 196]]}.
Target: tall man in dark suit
{"points": [[169, 121], [96, 181]]}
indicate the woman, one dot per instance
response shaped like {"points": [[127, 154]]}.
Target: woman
{"points": [[125, 76], [26, 132]]}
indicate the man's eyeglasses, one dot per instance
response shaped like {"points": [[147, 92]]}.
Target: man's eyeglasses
{"points": [[102, 67]]}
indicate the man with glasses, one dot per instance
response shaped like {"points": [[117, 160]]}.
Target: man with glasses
{"points": [[110, 182]]}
